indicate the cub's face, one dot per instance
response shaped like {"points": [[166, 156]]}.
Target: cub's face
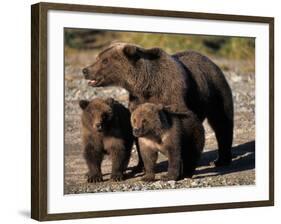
{"points": [[147, 119], [97, 114]]}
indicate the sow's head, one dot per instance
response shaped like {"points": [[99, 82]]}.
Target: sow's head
{"points": [[119, 63]]}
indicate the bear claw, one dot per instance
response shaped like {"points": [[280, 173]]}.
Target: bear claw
{"points": [[117, 177], [148, 178], [94, 178]]}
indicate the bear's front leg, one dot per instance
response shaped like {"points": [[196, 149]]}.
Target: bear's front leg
{"points": [[149, 157], [119, 160], [175, 164], [93, 158], [133, 103]]}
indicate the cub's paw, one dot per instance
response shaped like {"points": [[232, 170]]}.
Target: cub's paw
{"points": [[117, 177], [148, 177], [94, 178]]}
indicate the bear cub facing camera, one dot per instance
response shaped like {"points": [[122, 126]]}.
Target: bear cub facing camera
{"points": [[106, 129], [178, 135]]}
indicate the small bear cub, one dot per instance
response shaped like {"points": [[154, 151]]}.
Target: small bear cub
{"points": [[106, 129], [178, 135]]}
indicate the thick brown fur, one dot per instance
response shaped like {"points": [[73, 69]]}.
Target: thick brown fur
{"points": [[178, 135], [106, 130], [188, 79]]}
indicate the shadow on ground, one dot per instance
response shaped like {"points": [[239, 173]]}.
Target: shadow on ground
{"points": [[243, 159]]}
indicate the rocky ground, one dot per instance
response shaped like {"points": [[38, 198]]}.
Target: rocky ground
{"points": [[240, 76]]}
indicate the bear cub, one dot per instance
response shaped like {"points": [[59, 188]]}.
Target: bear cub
{"points": [[178, 135], [106, 129]]}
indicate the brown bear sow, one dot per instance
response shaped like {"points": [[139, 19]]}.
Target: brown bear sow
{"points": [[179, 136], [188, 79], [106, 130]]}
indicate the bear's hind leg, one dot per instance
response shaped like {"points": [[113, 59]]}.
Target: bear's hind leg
{"points": [[175, 164], [223, 127]]}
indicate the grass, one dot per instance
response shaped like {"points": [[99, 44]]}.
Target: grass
{"points": [[237, 48]]}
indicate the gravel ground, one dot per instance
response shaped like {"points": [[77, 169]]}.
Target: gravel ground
{"points": [[241, 171]]}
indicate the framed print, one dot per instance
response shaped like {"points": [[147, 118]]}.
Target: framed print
{"points": [[138, 111]]}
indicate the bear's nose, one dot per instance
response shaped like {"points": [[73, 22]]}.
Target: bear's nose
{"points": [[99, 126], [85, 72], [137, 131]]}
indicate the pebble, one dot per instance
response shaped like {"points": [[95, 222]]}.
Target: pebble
{"points": [[193, 184], [172, 183], [137, 188], [157, 185]]}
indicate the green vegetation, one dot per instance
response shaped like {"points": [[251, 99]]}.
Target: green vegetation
{"points": [[236, 48]]}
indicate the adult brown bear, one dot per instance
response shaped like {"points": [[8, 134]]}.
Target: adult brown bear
{"points": [[187, 79]]}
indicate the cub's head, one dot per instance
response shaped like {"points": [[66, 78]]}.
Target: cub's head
{"points": [[97, 114], [150, 119], [116, 63]]}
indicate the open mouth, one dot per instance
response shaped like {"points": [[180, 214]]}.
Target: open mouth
{"points": [[138, 135], [94, 82]]}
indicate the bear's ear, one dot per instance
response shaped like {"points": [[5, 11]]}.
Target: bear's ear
{"points": [[160, 106], [151, 53], [110, 101], [83, 104], [135, 53], [131, 52], [172, 109]]}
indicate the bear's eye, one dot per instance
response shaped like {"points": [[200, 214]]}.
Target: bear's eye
{"points": [[105, 61], [144, 121]]}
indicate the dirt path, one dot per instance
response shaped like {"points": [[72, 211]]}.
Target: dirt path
{"points": [[241, 172]]}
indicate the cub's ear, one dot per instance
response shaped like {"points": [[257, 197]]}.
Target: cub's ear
{"points": [[172, 109], [135, 53], [83, 104], [110, 101]]}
